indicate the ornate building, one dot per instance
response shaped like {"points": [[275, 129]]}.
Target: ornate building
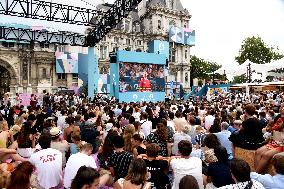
{"points": [[30, 68]]}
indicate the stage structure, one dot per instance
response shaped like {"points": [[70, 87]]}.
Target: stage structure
{"points": [[137, 76], [101, 24]]}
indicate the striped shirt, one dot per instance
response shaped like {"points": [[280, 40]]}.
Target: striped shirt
{"points": [[120, 162]]}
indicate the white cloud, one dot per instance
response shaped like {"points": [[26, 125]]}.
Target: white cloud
{"points": [[221, 25]]}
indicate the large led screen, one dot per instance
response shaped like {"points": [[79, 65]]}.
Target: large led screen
{"points": [[141, 77]]}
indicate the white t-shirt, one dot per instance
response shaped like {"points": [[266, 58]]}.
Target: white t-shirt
{"points": [[48, 163], [146, 127], [61, 122], [209, 120], [182, 167], [74, 163]]}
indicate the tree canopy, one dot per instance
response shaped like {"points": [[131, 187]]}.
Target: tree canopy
{"points": [[201, 68], [240, 79], [257, 51]]}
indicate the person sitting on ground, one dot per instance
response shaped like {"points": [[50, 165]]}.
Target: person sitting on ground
{"points": [[58, 144], [250, 135], [77, 160], [219, 172], [276, 145], [5, 135], [86, 177], [160, 137], [186, 165], [187, 182], [157, 167], [199, 137], [137, 143], [48, 163], [120, 160], [21, 176], [240, 170], [183, 135], [223, 137], [76, 139], [211, 142], [136, 177], [235, 127], [276, 181]]}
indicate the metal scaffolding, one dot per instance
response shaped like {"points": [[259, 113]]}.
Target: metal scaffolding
{"points": [[101, 22], [49, 11]]}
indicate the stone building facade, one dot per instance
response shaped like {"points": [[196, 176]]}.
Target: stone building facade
{"points": [[30, 68]]}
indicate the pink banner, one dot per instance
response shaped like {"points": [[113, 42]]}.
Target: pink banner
{"points": [[25, 99]]}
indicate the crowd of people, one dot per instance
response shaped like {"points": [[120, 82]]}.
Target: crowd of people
{"points": [[68, 141]]}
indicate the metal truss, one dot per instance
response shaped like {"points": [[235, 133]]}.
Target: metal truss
{"points": [[27, 35], [49, 11], [102, 22], [119, 10]]}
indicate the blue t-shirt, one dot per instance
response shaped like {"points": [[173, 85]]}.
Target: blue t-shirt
{"points": [[73, 148]]}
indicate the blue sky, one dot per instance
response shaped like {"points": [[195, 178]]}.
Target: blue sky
{"points": [[220, 25]]}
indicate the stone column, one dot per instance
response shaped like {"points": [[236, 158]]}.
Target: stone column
{"points": [[69, 78]]}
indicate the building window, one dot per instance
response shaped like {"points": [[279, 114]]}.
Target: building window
{"points": [[8, 44], [172, 55], [127, 26], [61, 76], [127, 41], [159, 24], [44, 45], [170, 4], [139, 42], [185, 54], [104, 38], [74, 76], [115, 49], [103, 52], [115, 39], [25, 69], [44, 74], [137, 27]]}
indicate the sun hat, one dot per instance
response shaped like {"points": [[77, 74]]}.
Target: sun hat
{"points": [[55, 132]]}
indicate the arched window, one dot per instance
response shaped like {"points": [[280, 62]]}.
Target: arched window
{"points": [[159, 24]]}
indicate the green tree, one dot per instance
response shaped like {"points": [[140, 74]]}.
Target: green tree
{"points": [[201, 68], [257, 51], [240, 79]]}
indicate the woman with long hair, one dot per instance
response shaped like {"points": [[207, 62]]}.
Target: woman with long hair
{"points": [[86, 177], [20, 177], [136, 177], [106, 150], [127, 136], [216, 127], [188, 181], [160, 137], [70, 129]]}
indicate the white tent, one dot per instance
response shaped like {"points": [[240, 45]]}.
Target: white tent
{"points": [[262, 69]]}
